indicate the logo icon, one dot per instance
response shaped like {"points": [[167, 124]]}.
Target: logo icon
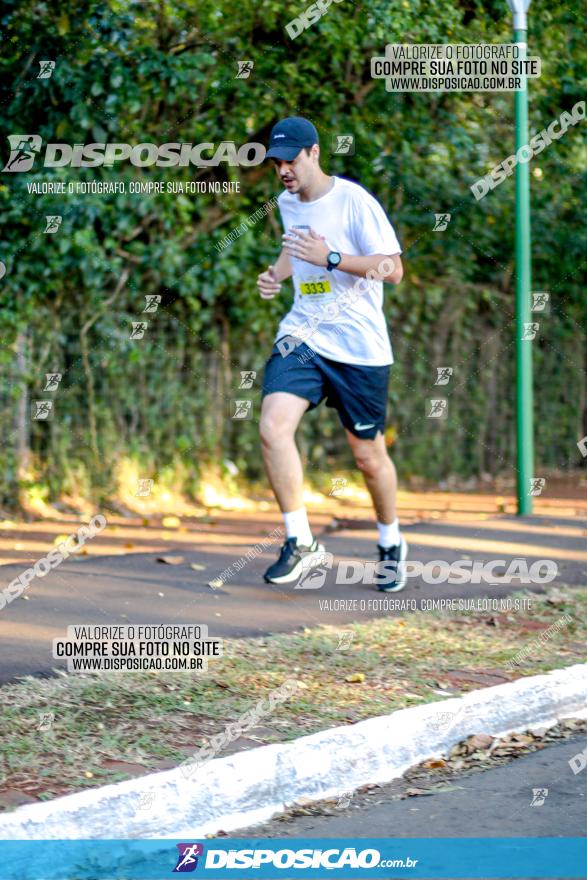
{"points": [[146, 800], [345, 640], [438, 408], [46, 720], [338, 486], [247, 378], [152, 302], [243, 409], [53, 222], [540, 301], [539, 795], [138, 329], [53, 380], [23, 150], [446, 720], [530, 330], [144, 489], [443, 375], [187, 859], [343, 145], [244, 69], [443, 720], [344, 800], [441, 222], [537, 485], [42, 410], [47, 68], [314, 568], [360, 427]]}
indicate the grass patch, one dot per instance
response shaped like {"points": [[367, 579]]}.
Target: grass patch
{"points": [[156, 719]]}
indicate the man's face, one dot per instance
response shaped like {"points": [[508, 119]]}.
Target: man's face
{"points": [[297, 175]]}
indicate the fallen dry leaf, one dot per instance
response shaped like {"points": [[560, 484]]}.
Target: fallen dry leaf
{"points": [[170, 560], [479, 741], [355, 677], [540, 731], [522, 738], [303, 801]]}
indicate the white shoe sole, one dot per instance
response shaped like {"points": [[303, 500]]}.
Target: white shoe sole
{"points": [[309, 560], [402, 576]]}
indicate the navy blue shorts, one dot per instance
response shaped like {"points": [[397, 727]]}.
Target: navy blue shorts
{"points": [[359, 394]]}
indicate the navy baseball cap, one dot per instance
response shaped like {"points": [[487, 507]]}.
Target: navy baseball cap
{"points": [[290, 136]]}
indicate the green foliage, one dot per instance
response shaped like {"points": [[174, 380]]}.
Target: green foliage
{"points": [[165, 72]]}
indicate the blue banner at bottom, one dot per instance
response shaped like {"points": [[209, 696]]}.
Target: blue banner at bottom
{"points": [[225, 858]]}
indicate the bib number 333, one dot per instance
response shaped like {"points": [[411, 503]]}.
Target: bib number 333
{"points": [[313, 287]]}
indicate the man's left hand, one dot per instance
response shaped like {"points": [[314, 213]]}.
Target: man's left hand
{"points": [[307, 246]]}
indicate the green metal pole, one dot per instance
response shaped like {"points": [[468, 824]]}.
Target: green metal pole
{"points": [[524, 392]]}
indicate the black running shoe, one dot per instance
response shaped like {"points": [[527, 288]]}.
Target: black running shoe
{"points": [[395, 574], [292, 561]]}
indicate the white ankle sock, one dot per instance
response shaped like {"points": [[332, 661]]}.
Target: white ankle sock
{"points": [[389, 534], [297, 526]]}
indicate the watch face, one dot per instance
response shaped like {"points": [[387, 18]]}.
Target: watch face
{"points": [[334, 258]]}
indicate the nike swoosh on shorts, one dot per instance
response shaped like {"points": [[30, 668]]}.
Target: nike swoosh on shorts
{"points": [[360, 427]]}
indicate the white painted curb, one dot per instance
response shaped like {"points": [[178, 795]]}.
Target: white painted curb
{"points": [[248, 787]]}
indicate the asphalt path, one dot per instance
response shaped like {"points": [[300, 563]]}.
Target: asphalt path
{"points": [[135, 588]]}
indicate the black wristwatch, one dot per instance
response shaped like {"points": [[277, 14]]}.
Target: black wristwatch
{"points": [[332, 260]]}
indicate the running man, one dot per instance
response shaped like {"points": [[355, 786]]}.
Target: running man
{"points": [[333, 344]]}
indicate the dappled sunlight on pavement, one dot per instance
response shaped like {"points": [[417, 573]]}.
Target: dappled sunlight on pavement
{"points": [[26, 541]]}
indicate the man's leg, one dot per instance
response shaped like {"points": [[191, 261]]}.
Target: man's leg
{"points": [[380, 476], [281, 414], [379, 473]]}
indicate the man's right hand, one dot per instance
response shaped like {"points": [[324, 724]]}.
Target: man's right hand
{"points": [[268, 284]]}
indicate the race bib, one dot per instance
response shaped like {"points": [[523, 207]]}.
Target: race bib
{"points": [[307, 288]]}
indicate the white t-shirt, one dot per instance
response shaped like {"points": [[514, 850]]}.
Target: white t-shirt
{"points": [[339, 315]]}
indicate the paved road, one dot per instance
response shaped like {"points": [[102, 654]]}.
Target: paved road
{"points": [[493, 803], [135, 588]]}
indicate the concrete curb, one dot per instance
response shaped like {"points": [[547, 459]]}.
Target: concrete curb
{"points": [[248, 787]]}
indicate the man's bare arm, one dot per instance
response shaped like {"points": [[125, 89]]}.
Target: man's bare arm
{"points": [[282, 267], [375, 265], [313, 249], [269, 282]]}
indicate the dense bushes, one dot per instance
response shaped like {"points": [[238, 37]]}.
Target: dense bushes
{"points": [[167, 72]]}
